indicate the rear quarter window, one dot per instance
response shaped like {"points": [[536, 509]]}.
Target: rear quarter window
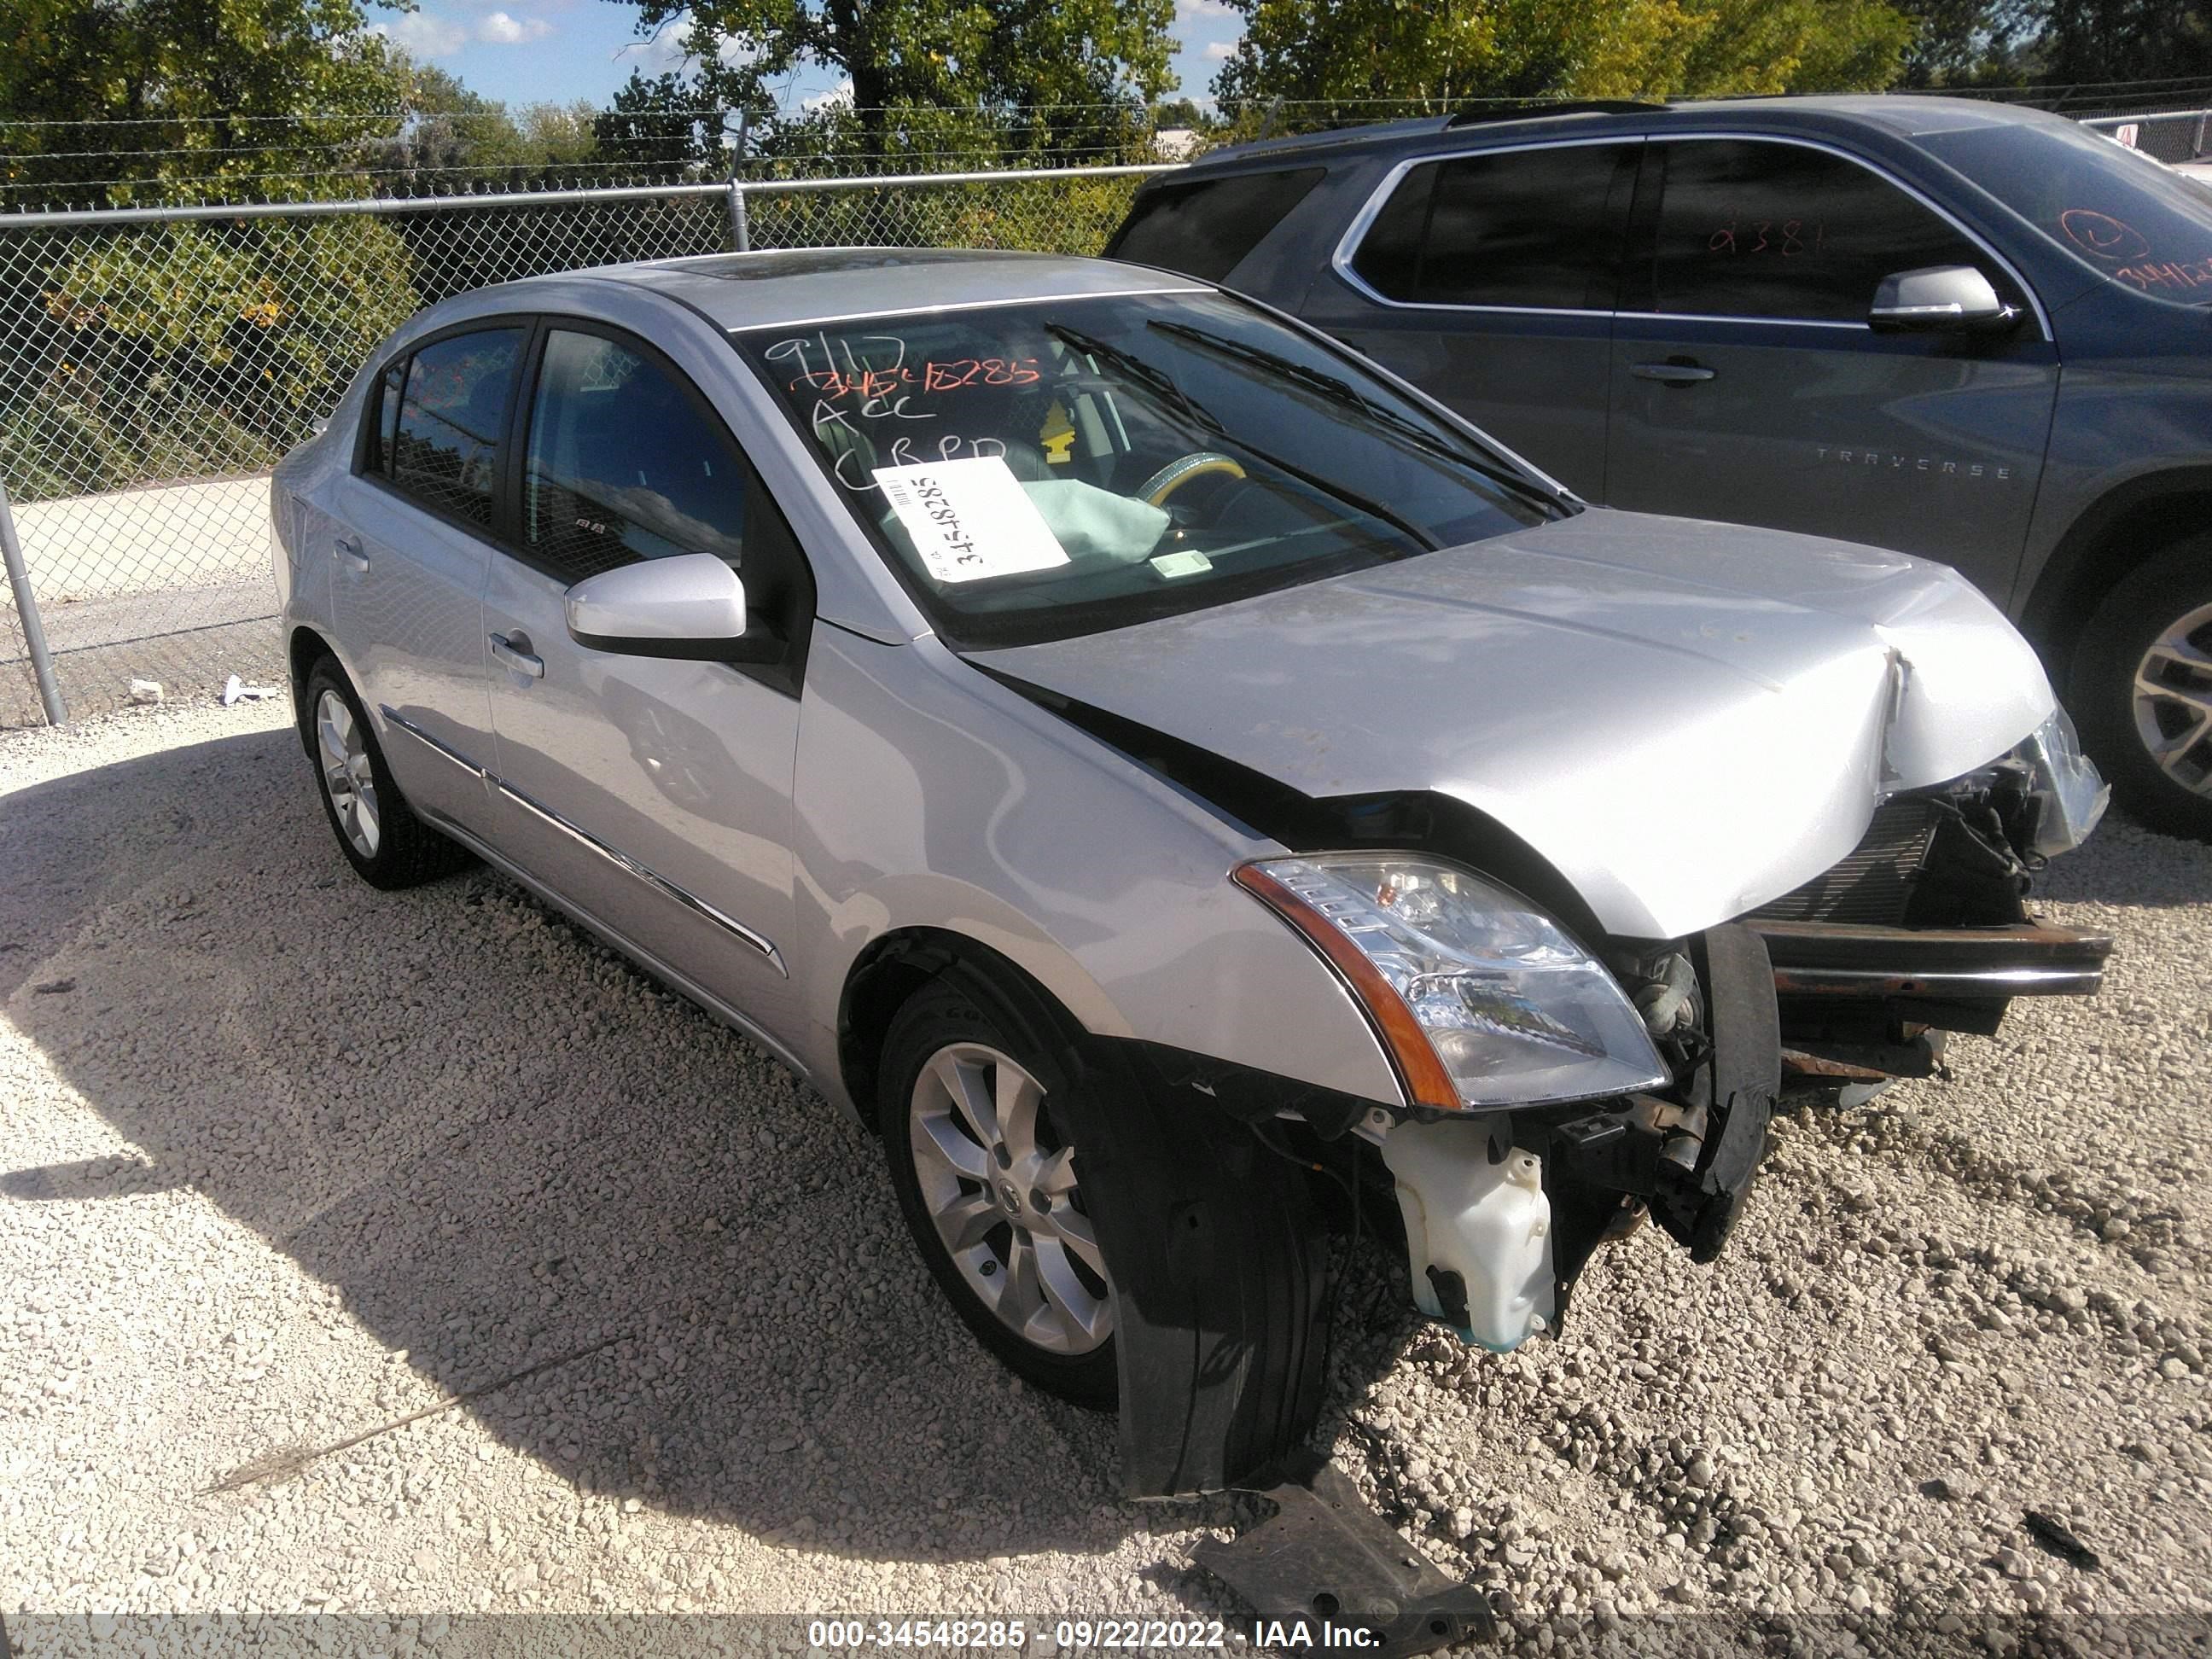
{"points": [[1205, 227]]}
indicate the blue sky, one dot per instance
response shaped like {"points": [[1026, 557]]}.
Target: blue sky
{"points": [[521, 52]]}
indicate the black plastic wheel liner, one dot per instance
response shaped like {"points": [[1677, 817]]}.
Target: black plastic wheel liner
{"points": [[1738, 1082], [1220, 1272]]}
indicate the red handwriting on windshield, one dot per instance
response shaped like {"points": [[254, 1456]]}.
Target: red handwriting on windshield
{"points": [[2103, 236], [1786, 238], [2168, 275], [928, 376]]}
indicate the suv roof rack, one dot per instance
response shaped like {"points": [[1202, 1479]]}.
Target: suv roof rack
{"points": [[1529, 109]]}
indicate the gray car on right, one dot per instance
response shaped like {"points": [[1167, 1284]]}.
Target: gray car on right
{"points": [[1966, 331]]}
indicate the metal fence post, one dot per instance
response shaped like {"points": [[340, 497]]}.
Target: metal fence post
{"points": [[741, 238], [741, 234], [27, 611]]}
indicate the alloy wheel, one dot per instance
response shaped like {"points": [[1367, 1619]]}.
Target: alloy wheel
{"points": [[348, 777], [2173, 701], [1000, 1188]]}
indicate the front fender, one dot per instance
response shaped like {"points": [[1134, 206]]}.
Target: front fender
{"points": [[927, 796]]}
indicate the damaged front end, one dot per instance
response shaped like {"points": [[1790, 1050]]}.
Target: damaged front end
{"points": [[1501, 1214], [1924, 929], [1552, 1097]]}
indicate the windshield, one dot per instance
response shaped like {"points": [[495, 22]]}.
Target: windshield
{"points": [[1057, 467], [2116, 211]]}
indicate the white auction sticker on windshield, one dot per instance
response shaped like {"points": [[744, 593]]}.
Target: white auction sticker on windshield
{"points": [[970, 519]]}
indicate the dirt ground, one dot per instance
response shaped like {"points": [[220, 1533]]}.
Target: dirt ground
{"points": [[601, 1313]]}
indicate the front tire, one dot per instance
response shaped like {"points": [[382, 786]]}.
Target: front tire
{"points": [[986, 1179], [379, 833], [2142, 689]]}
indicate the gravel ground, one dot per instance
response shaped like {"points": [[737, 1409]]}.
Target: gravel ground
{"points": [[283, 1159]]}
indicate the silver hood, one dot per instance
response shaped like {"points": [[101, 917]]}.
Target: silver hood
{"points": [[1686, 718]]}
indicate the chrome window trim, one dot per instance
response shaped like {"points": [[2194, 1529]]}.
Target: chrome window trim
{"points": [[651, 878], [1348, 245]]}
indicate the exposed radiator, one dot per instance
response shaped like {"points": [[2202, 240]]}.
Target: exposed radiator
{"points": [[1871, 886]]}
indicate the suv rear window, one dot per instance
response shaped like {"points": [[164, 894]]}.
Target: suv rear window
{"points": [[1205, 226]]}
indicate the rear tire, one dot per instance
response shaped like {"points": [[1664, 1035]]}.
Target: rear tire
{"points": [[379, 833]]}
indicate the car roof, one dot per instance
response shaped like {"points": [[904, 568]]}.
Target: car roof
{"points": [[797, 287], [1906, 115]]}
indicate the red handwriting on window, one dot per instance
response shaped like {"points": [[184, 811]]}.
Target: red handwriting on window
{"points": [[1786, 239], [2167, 276], [929, 376], [2103, 236]]}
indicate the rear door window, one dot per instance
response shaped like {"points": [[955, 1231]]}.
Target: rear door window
{"points": [[1534, 228], [1205, 227], [443, 447], [1780, 231]]}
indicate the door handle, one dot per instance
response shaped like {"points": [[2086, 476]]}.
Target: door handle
{"points": [[350, 554], [1673, 372], [513, 650]]}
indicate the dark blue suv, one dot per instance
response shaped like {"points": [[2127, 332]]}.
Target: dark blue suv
{"points": [[1969, 332]]}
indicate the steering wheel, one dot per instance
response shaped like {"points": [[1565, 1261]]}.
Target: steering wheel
{"points": [[1175, 475]]}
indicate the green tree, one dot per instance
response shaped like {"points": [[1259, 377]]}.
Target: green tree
{"points": [[226, 99], [661, 130], [1308, 50], [2112, 40], [1041, 69]]}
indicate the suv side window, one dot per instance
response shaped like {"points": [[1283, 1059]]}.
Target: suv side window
{"points": [[1747, 228], [625, 464], [1539, 228], [1206, 227], [441, 443]]}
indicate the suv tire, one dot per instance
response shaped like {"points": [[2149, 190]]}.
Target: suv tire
{"points": [[2142, 683]]}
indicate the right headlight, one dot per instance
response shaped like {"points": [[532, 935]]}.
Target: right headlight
{"points": [[1481, 999]]}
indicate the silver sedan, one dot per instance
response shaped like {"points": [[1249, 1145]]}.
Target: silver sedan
{"points": [[1184, 788]]}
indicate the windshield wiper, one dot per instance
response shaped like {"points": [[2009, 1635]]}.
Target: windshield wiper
{"points": [[1344, 394], [1150, 377]]}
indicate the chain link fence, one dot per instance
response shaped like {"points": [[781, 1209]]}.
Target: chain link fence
{"points": [[154, 363], [2170, 135]]}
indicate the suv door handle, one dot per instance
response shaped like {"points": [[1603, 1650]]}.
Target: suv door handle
{"points": [[350, 554], [1673, 372], [513, 650]]}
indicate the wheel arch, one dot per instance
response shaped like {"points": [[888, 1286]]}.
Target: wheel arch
{"points": [[887, 973], [303, 649], [2125, 528]]}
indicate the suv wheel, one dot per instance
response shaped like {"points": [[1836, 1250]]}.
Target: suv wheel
{"points": [[988, 1183], [2142, 689], [379, 833]]}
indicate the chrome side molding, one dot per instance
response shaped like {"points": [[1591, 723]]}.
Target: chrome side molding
{"points": [[621, 860]]}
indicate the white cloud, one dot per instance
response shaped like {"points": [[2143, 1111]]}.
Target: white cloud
{"points": [[425, 34], [420, 35], [671, 49], [1195, 8], [502, 29], [838, 97], [1219, 51]]}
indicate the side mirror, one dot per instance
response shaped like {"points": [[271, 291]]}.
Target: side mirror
{"points": [[691, 606], [1937, 300]]}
